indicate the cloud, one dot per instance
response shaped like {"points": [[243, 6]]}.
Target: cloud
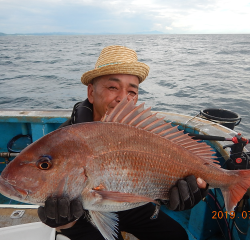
{"points": [[123, 16], [223, 17]]}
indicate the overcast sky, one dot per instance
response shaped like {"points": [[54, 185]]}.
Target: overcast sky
{"points": [[125, 16]]}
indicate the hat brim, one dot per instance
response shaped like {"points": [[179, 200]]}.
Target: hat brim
{"points": [[138, 69]]}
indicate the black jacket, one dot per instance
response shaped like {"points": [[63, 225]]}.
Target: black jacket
{"points": [[82, 112]]}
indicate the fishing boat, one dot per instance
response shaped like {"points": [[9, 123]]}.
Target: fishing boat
{"points": [[207, 220]]}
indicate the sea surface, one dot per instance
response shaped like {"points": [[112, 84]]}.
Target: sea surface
{"points": [[188, 73]]}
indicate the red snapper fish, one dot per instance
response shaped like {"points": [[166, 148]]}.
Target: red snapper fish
{"points": [[126, 160]]}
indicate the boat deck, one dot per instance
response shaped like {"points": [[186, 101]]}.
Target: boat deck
{"points": [[11, 216]]}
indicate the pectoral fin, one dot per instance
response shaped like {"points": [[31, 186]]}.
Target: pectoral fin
{"points": [[123, 197]]}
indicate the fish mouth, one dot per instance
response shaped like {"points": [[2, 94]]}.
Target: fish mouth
{"points": [[11, 191]]}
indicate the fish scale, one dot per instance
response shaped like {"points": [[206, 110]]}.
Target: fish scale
{"points": [[146, 161]]}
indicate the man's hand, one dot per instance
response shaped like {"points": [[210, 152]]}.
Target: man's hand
{"points": [[187, 193], [60, 211]]}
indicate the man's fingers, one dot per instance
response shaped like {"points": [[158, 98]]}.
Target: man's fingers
{"points": [[41, 214], [59, 211], [186, 196], [63, 207], [187, 193], [51, 208], [76, 208], [201, 183], [195, 193], [174, 199], [204, 187]]}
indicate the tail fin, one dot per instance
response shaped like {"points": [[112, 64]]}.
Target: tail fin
{"points": [[235, 192]]}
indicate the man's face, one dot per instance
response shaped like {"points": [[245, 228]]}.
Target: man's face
{"points": [[107, 91]]}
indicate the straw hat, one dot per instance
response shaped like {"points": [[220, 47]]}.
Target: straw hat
{"points": [[117, 60]]}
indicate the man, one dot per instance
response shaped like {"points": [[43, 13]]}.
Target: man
{"points": [[117, 75]]}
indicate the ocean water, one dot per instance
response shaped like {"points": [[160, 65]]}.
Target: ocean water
{"points": [[188, 73]]}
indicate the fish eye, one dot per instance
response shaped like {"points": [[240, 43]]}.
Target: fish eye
{"points": [[44, 163]]}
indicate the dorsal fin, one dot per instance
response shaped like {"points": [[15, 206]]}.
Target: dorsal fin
{"points": [[126, 112]]}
